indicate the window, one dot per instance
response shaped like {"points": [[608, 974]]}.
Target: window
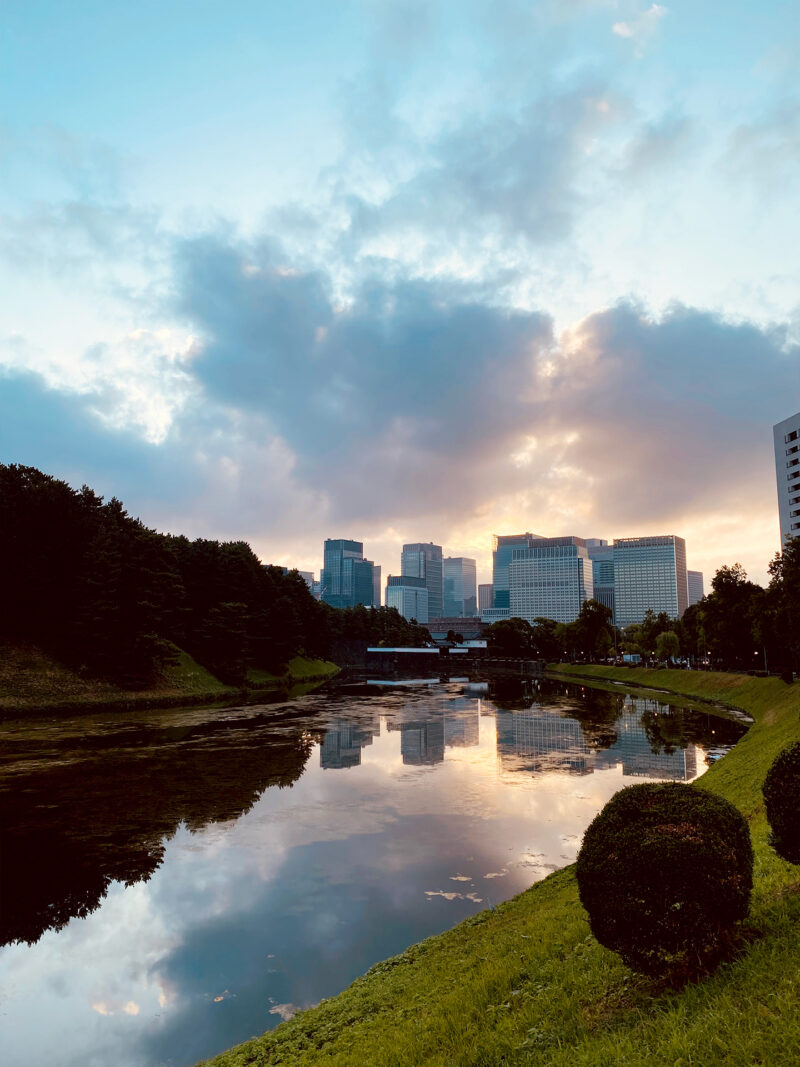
{"points": [[791, 436]]}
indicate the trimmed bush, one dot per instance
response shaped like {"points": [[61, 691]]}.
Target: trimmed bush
{"points": [[781, 791], [665, 871]]}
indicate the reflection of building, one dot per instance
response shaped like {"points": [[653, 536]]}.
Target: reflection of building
{"points": [[422, 742], [425, 728], [460, 596], [694, 580], [550, 579], [343, 741], [541, 739], [461, 723], [786, 435], [420, 560], [633, 748], [537, 740], [409, 596], [649, 573]]}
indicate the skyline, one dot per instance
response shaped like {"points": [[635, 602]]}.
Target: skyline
{"points": [[405, 271]]}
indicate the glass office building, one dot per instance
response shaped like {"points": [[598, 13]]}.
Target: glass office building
{"points": [[601, 553], [409, 595], [649, 574], [347, 578], [460, 587], [695, 583], [504, 547], [550, 579], [421, 560]]}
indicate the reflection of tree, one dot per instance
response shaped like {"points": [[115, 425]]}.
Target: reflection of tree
{"points": [[598, 713], [511, 694], [71, 828], [668, 728]]}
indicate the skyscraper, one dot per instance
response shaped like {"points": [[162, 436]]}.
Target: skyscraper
{"points": [[347, 578], [601, 553], [786, 436], [695, 582], [409, 595], [460, 594], [550, 579], [504, 546], [485, 596], [420, 560], [649, 574]]}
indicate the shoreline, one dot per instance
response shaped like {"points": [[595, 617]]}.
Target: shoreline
{"points": [[525, 982]]}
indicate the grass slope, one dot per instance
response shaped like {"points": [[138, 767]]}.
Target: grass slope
{"points": [[527, 983], [31, 681]]}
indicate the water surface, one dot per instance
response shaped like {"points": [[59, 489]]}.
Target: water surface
{"points": [[174, 882]]}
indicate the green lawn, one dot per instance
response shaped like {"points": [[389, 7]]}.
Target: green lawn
{"points": [[32, 682], [527, 983], [298, 670]]}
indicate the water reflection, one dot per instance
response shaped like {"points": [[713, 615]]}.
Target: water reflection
{"points": [[217, 877]]}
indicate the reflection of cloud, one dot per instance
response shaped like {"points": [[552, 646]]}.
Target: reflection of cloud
{"points": [[454, 896], [286, 1011]]}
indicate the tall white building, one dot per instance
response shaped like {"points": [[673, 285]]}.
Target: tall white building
{"points": [[460, 589], [649, 574], [787, 468], [424, 560], [409, 595], [550, 579], [694, 580]]}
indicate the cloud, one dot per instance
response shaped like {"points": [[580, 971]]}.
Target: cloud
{"points": [[642, 28], [499, 177]]}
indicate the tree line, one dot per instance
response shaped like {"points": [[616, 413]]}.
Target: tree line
{"points": [[739, 626], [100, 591]]}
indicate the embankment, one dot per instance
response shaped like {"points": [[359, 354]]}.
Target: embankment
{"points": [[527, 983], [32, 683]]}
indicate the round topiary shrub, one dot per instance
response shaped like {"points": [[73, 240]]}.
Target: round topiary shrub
{"points": [[665, 871], [781, 791]]}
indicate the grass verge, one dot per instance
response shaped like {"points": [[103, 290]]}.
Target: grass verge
{"points": [[31, 682], [527, 983]]}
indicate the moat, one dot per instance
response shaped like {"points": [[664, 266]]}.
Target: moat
{"points": [[174, 882]]}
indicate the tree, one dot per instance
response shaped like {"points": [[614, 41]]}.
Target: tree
{"points": [[729, 613], [667, 645], [665, 872], [510, 637]]}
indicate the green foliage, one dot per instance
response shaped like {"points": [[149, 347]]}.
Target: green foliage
{"points": [[667, 645], [510, 637], [782, 801], [95, 588], [665, 872]]}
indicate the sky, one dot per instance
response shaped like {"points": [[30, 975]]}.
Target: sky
{"points": [[397, 270]]}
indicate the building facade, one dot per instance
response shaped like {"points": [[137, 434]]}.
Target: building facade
{"points": [[786, 436], [460, 587], [601, 553], [694, 580], [347, 578], [409, 595], [485, 596], [421, 560], [550, 579], [502, 553], [649, 574]]}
